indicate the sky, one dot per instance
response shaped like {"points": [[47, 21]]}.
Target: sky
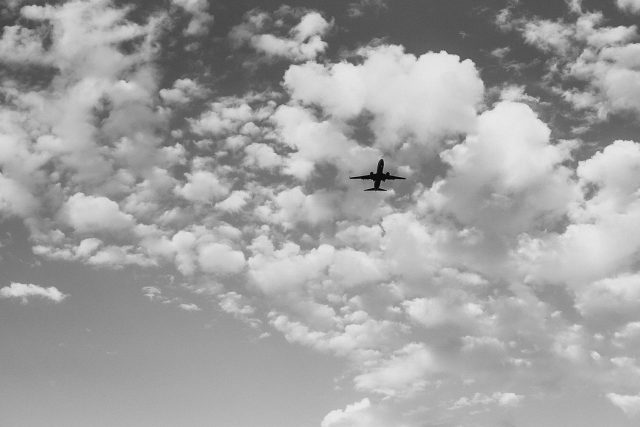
{"points": [[180, 243]]}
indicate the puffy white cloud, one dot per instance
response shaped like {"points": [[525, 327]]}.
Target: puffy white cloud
{"points": [[295, 206], [15, 199], [317, 142], [236, 201], [183, 91], [239, 307], [612, 170], [262, 156], [22, 45], [26, 291], [632, 6], [152, 292], [353, 268], [619, 296], [364, 413], [189, 307], [601, 239], [286, 268], [408, 96], [220, 258], [119, 256], [303, 41], [403, 374], [234, 303], [203, 187], [595, 54], [89, 214], [223, 116], [508, 175], [353, 415], [355, 335], [514, 264]]}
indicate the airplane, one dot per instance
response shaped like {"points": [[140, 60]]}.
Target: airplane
{"points": [[377, 177]]}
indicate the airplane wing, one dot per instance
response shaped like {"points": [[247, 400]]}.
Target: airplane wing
{"points": [[361, 177], [394, 177]]}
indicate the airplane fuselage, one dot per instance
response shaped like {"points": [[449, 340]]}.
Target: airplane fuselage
{"points": [[378, 176]]}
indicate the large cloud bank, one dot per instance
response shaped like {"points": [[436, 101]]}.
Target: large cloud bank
{"points": [[450, 286]]}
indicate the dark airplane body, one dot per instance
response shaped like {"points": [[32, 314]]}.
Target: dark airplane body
{"points": [[377, 177]]}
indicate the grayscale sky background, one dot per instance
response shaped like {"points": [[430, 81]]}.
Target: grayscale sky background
{"points": [[180, 244]]}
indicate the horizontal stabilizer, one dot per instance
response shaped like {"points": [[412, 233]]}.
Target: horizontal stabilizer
{"points": [[375, 189]]}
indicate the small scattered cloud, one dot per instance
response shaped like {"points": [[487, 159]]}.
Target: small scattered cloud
{"points": [[360, 8], [25, 292], [189, 307], [300, 42], [201, 19], [629, 404]]}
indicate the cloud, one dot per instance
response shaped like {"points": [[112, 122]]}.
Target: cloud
{"points": [[189, 307], [356, 414], [203, 187], [21, 45], [632, 6], [499, 398], [201, 18], [26, 292], [91, 214], [302, 42], [629, 404], [235, 202], [600, 238], [152, 292], [507, 176], [15, 199], [504, 258], [182, 92], [403, 374], [220, 258], [408, 96], [588, 51]]}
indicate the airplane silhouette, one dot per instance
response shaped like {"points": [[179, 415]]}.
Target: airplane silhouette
{"points": [[377, 177]]}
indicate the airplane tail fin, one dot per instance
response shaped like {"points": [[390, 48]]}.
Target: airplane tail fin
{"points": [[375, 189]]}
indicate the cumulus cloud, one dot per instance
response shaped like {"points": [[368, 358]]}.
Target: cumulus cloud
{"points": [[404, 373], [189, 307], [588, 51], [505, 259], [301, 42], [602, 230], [87, 214], [27, 291], [183, 91], [203, 187], [15, 199], [408, 96], [509, 173], [220, 258], [632, 6]]}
